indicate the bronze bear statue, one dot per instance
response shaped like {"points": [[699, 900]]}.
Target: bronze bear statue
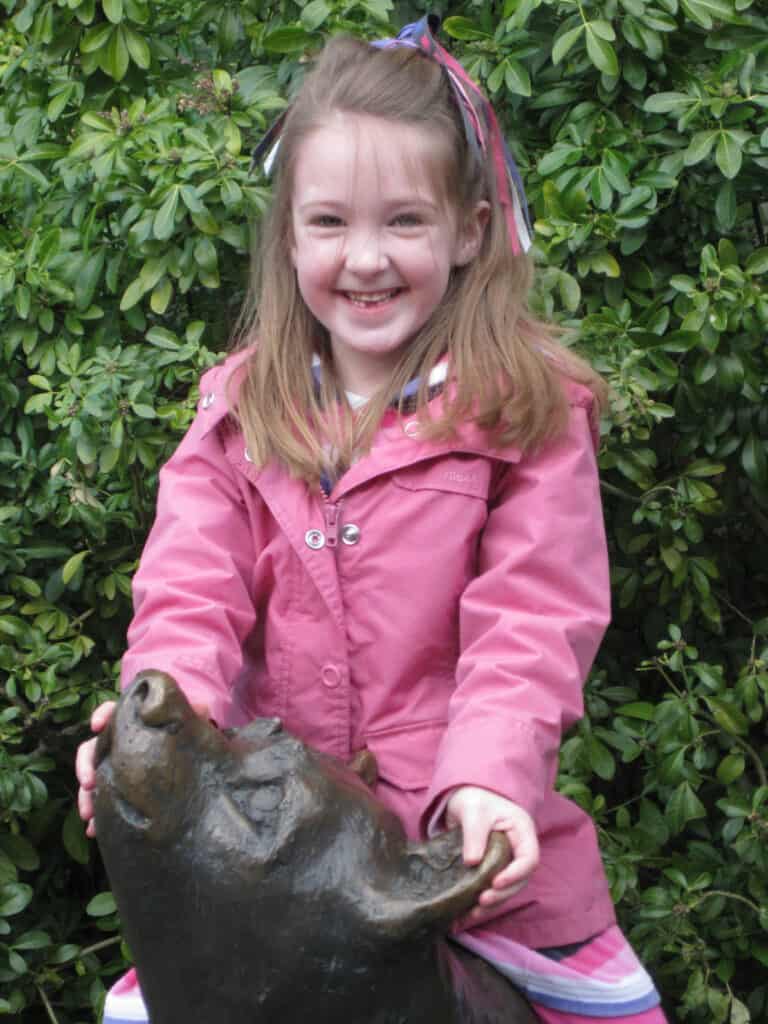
{"points": [[261, 882]]}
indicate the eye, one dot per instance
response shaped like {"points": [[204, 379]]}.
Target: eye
{"points": [[407, 220], [256, 800], [326, 220]]}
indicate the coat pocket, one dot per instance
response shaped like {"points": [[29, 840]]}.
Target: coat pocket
{"points": [[406, 755], [456, 474]]}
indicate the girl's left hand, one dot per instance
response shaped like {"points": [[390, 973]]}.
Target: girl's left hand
{"points": [[480, 812]]}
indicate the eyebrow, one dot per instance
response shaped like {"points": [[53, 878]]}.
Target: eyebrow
{"points": [[389, 204]]}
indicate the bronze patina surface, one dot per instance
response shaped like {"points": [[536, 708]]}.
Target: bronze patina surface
{"points": [[260, 882]]}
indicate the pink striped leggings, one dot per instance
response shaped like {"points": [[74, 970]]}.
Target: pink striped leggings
{"points": [[653, 1016]]}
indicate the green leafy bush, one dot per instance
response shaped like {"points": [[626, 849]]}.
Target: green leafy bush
{"points": [[641, 127]]}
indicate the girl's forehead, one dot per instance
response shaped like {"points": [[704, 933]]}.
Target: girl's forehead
{"points": [[351, 153]]}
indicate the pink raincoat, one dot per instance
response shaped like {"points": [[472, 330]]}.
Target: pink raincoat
{"points": [[441, 607]]}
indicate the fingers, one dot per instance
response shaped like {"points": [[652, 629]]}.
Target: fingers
{"points": [[102, 715], [85, 768], [525, 854], [476, 829], [201, 708]]}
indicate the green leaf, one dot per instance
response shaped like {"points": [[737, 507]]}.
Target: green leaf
{"points": [[463, 28], [704, 468], [603, 29], [132, 294], [32, 940], [730, 718], [739, 1012], [601, 53], [20, 850], [565, 42], [725, 206], [73, 836], [14, 897], [108, 458], [704, 12], [205, 254], [113, 10], [601, 760], [165, 218], [88, 278], [117, 57], [101, 905], [146, 412], [731, 768], [496, 77], [570, 291], [604, 263], [160, 298], [314, 14], [728, 154], [754, 460], [757, 261], [516, 78], [72, 564], [94, 38], [684, 806], [164, 339], [700, 147], [288, 39], [638, 709], [138, 48], [669, 103], [222, 81]]}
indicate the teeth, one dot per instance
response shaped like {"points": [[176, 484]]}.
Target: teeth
{"points": [[371, 297]]}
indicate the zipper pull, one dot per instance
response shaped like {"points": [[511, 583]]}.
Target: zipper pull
{"points": [[331, 524]]}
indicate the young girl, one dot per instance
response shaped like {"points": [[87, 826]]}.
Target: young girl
{"points": [[384, 525]]}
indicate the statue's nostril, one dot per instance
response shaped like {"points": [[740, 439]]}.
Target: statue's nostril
{"points": [[141, 690], [155, 701]]}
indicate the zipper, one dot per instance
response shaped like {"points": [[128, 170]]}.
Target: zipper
{"points": [[331, 513]]}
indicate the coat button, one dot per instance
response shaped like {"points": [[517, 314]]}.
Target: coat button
{"points": [[314, 539], [411, 429], [350, 533], [330, 676], [208, 400]]}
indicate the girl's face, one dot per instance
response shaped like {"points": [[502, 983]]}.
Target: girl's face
{"points": [[374, 242]]}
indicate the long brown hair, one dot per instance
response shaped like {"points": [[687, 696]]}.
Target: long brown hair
{"points": [[506, 367]]}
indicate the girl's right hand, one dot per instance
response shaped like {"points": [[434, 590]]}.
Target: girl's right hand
{"points": [[85, 765]]}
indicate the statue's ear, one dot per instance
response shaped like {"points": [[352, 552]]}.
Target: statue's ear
{"points": [[433, 886]]}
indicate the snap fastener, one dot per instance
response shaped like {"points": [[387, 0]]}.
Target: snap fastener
{"points": [[314, 539], [411, 428], [350, 533], [208, 400], [330, 676], [247, 455]]}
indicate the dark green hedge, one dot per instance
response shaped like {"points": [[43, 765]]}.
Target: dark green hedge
{"points": [[641, 127]]}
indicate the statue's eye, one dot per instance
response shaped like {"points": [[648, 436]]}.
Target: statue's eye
{"points": [[257, 799]]}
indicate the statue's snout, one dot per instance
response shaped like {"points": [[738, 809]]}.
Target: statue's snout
{"points": [[156, 700]]}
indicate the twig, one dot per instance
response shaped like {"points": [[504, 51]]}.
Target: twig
{"points": [[48, 1008], [726, 895], [100, 945]]}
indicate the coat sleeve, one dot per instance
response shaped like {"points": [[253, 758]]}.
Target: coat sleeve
{"points": [[193, 609], [530, 624]]}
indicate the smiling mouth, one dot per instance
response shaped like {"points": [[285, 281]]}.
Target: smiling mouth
{"points": [[365, 300]]}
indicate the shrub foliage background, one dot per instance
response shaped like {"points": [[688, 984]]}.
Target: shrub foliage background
{"points": [[642, 130]]}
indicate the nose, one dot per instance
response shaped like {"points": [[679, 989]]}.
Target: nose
{"points": [[157, 699], [366, 252]]}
